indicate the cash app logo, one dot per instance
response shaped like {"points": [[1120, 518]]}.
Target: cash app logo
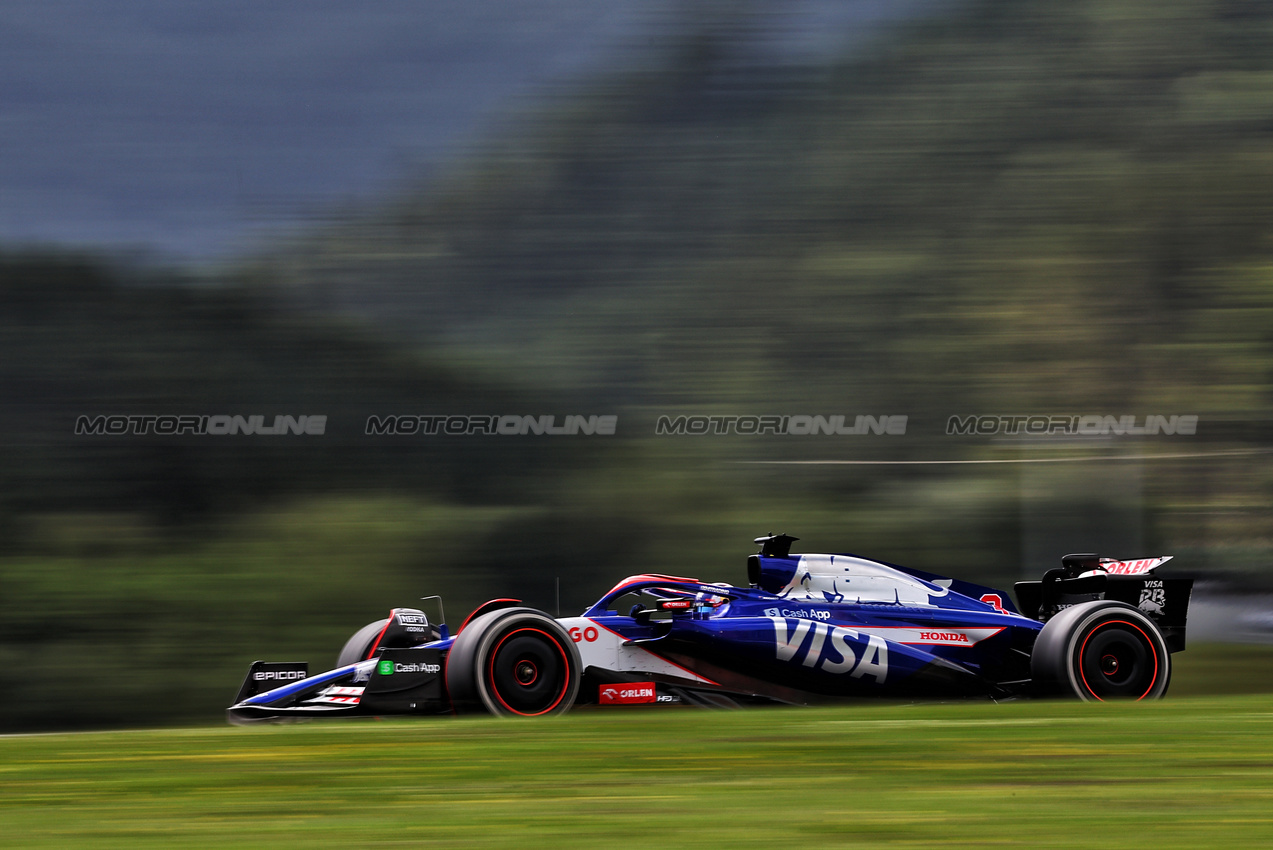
{"points": [[386, 668]]}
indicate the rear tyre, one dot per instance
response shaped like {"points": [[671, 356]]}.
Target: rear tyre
{"points": [[357, 647], [516, 662], [1099, 651]]}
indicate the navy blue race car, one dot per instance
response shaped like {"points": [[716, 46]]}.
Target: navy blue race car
{"points": [[808, 629]]}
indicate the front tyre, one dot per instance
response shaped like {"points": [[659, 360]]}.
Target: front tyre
{"points": [[1099, 651], [516, 662], [359, 646]]}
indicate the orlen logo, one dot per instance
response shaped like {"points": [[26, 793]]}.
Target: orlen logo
{"points": [[840, 658], [629, 694], [1134, 568], [278, 675]]}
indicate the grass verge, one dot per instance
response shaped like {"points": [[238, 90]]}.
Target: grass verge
{"points": [[1185, 772]]}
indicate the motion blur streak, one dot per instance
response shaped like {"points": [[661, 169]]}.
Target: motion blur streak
{"points": [[1058, 209]]}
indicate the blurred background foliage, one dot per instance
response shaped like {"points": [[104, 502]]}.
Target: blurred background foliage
{"points": [[1007, 208]]}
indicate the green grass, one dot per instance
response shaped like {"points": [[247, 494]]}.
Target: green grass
{"points": [[1213, 669], [1184, 772]]}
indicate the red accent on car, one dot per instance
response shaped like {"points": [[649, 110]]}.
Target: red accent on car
{"points": [[375, 643], [647, 577], [629, 693], [487, 607], [663, 658], [995, 601]]}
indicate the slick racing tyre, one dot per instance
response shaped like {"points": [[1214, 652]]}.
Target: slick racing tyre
{"points": [[1101, 650], [357, 647], [514, 661]]}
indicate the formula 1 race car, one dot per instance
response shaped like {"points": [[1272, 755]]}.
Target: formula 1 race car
{"points": [[809, 629]]}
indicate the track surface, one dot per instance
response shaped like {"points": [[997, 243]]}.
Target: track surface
{"points": [[1185, 772]]}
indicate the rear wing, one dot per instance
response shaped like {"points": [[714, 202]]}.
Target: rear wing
{"points": [[1084, 578]]}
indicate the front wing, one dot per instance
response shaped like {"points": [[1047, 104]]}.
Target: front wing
{"points": [[398, 681]]}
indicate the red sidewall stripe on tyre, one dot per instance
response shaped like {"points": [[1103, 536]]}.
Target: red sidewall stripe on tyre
{"points": [[490, 670], [1152, 649]]}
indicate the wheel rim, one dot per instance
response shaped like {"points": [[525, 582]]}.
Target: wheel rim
{"points": [[1119, 660], [528, 672]]}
